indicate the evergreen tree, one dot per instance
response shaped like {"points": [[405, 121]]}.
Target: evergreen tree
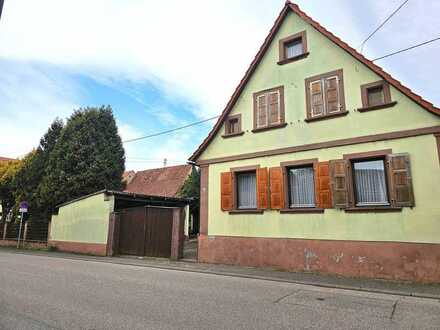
{"points": [[27, 180], [87, 157], [191, 189], [7, 173]]}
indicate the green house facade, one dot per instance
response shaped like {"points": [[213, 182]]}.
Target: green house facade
{"points": [[322, 162]]}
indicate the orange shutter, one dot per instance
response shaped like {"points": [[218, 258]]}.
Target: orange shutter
{"points": [[323, 192], [262, 188], [276, 188], [226, 191]]}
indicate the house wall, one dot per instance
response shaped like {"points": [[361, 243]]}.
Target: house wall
{"points": [[324, 57], [401, 245], [82, 226], [420, 224]]}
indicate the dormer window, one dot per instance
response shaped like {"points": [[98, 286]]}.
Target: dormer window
{"points": [[293, 48], [376, 96]]}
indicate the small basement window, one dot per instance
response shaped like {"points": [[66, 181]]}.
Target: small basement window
{"points": [[233, 126], [301, 187], [246, 190], [370, 182], [376, 96], [293, 48]]}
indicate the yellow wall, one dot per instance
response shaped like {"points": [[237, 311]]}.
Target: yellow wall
{"points": [[419, 224], [84, 221], [324, 57]]}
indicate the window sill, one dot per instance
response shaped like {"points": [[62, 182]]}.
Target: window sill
{"points": [[293, 59], [225, 136], [333, 115], [262, 129], [377, 107], [303, 210], [248, 211], [373, 209]]}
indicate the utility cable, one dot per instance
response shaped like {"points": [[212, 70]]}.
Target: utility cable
{"points": [[382, 24], [406, 49], [171, 130]]}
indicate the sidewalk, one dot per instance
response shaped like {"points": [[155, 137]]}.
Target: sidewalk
{"points": [[369, 285]]}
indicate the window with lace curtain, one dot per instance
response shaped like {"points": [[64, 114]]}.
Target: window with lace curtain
{"points": [[301, 185], [370, 182]]}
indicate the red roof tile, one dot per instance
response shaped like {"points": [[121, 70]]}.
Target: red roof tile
{"points": [[5, 159], [165, 181], [291, 6]]}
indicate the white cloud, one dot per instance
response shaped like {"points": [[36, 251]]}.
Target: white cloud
{"points": [[193, 49], [30, 101]]}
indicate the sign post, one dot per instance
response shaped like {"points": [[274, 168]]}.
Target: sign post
{"points": [[23, 209]]}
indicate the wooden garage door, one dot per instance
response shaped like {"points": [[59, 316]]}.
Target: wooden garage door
{"points": [[158, 232], [146, 231]]}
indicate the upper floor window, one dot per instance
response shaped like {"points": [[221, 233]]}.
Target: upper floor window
{"points": [[376, 96], [269, 108], [325, 96], [233, 126], [293, 48]]}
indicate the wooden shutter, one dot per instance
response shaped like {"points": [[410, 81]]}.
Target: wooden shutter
{"points": [[332, 98], [262, 188], [262, 110], [274, 107], [323, 191], [226, 191], [339, 183], [316, 99], [400, 180], [276, 188]]}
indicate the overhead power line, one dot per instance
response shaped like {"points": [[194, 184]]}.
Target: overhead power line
{"points": [[406, 49], [170, 130], [382, 24]]}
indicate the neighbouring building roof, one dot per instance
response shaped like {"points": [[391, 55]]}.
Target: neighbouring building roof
{"points": [[127, 196], [165, 181], [6, 159], [291, 7], [127, 176]]}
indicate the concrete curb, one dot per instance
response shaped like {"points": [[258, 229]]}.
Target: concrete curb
{"points": [[208, 271]]}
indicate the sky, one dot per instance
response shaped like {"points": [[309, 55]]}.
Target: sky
{"points": [[164, 64]]}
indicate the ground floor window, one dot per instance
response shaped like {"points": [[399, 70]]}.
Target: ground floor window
{"points": [[301, 186], [246, 190], [370, 182]]}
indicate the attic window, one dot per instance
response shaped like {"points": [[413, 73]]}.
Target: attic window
{"points": [[233, 126], [376, 96], [293, 48]]}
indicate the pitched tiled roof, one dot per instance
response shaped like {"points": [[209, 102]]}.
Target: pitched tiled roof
{"points": [[293, 7], [5, 159], [127, 176], [165, 181]]}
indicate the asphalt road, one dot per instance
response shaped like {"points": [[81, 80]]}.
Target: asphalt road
{"points": [[53, 293]]}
